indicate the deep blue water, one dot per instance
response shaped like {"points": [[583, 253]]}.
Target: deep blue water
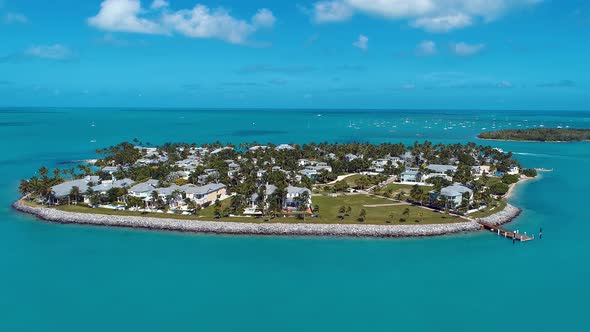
{"points": [[75, 278]]}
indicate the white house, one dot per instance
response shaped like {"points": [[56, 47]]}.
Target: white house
{"points": [[453, 194], [293, 193], [513, 170]]}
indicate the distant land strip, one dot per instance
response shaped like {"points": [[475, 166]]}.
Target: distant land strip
{"points": [[538, 135]]}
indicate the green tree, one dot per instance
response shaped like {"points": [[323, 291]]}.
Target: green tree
{"points": [[362, 215], [406, 212], [75, 193]]}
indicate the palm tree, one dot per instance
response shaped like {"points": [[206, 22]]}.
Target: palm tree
{"points": [[303, 201], [444, 202], [75, 192], [43, 171], [362, 215], [155, 197], [46, 191], [400, 195], [25, 187], [406, 212], [89, 192], [391, 217]]}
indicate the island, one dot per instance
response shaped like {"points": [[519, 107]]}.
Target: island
{"points": [[538, 135], [322, 189]]}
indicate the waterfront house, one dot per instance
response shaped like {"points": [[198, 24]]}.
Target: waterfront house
{"points": [[63, 189], [200, 194], [216, 151], [258, 147], [293, 194], [144, 189], [93, 183], [283, 147], [106, 185], [513, 170], [454, 194], [481, 170], [255, 198], [205, 194]]}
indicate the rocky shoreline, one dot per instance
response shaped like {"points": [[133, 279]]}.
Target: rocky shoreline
{"points": [[509, 213], [236, 228]]}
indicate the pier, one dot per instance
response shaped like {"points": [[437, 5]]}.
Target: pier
{"points": [[544, 169], [516, 236]]}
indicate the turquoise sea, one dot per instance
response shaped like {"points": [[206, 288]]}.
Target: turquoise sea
{"points": [[74, 278]]}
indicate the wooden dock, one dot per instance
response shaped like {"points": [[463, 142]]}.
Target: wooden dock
{"points": [[506, 233]]}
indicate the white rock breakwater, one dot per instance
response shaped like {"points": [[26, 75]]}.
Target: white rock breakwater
{"points": [[509, 213], [238, 228]]}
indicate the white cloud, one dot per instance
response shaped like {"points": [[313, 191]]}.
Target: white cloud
{"points": [[443, 23], [426, 48], [157, 4], [123, 16], [464, 49], [431, 15], [198, 22], [394, 8], [201, 22], [51, 52], [362, 43], [14, 18], [331, 11], [264, 18]]}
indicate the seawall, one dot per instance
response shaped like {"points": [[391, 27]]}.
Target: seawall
{"points": [[238, 228], [509, 213]]}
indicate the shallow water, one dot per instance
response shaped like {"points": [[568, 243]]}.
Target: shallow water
{"points": [[72, 278]]}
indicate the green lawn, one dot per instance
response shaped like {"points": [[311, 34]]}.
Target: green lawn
{"points": [[489, 211], [328, 213], [394, 188], [329, 207]]}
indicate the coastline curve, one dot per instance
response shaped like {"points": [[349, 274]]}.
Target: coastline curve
{"points": [[235, 228]]}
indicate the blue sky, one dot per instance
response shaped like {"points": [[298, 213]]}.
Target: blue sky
{"points": [[415, 54]]}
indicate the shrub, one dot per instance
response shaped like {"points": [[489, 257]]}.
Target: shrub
{"points": [[530, 172], [509, 178], [499, 188]]}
